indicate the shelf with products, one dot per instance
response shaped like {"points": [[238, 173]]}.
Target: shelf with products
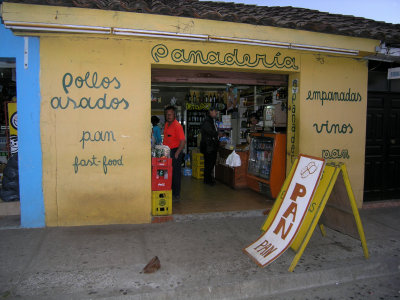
{"points": [[198, 101], [194, 119], [203, 99], [192, 135], [224, 129], [277, 118]]}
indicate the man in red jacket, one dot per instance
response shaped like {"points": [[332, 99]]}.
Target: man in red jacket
{"points": [[174, 138]]}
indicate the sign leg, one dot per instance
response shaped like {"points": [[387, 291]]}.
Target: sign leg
{"points": [[355, 210], [322, 228]]}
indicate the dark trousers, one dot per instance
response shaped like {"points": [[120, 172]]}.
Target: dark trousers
{"points": [[176, 172], [209, 164]]}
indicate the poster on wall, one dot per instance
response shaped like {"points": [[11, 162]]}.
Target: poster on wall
{"points": [[13, 126], [289, 217]]}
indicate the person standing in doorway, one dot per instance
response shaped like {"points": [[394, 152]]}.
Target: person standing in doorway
{"points": [[174, 138], [209, 145]]}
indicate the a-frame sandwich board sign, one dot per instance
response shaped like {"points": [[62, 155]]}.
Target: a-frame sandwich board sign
{"points": [[288, 211], [341, 207]]}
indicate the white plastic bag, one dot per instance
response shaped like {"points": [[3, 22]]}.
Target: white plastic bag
{"points": [[233, 160]]}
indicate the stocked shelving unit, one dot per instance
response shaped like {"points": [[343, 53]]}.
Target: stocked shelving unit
{"points": [[194, 119], [256, 101]]}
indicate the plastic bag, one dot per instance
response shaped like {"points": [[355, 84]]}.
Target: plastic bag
{"points": [[10, 183], [233, 160], [161, 151]]}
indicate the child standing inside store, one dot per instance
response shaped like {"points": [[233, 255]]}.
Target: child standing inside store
{"points": [[156, 130]]}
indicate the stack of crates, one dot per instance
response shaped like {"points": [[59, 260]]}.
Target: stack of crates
{"points": [[161, 180], [198, 165]]}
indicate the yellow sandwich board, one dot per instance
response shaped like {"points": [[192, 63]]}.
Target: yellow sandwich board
{"points": [[287, 220], [333, 200]]}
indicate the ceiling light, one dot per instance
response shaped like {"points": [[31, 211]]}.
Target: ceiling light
{"points": [[57, 27]]}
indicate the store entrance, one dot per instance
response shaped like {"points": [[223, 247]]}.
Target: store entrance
{"points": [[251, 120]]}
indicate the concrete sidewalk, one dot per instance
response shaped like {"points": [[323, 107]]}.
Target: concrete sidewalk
{"points": [[200, 259]]}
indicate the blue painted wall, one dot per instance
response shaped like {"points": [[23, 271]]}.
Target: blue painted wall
{"points": [[28, 108]]}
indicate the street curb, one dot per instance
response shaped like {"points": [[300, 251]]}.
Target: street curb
{"points": [[276, 285]]}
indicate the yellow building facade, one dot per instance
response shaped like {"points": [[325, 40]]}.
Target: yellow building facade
{"points": [[95, 99]]}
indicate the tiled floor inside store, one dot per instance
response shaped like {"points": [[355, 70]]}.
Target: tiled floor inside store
{"points": [[200, 198]]}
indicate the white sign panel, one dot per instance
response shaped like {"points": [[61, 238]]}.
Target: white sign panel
{"points": [[280, 234]]}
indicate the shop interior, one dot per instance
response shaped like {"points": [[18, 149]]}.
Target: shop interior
{"points": [[252, 120]]}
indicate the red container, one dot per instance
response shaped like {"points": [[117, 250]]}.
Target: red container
{"points": [[161, 161], [161, 178]]}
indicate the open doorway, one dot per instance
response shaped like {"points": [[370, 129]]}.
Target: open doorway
{"points": [[251, 120], [9, 192]]}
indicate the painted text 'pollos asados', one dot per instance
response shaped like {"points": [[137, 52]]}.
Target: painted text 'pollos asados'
{"points": [[89, 81]]}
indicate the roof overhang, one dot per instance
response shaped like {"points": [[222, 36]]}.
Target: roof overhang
{"points": [[28, 19]]}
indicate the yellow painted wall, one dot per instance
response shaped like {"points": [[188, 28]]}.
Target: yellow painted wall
{"points": [[89, 195], [333, 74], [82, 195]]}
